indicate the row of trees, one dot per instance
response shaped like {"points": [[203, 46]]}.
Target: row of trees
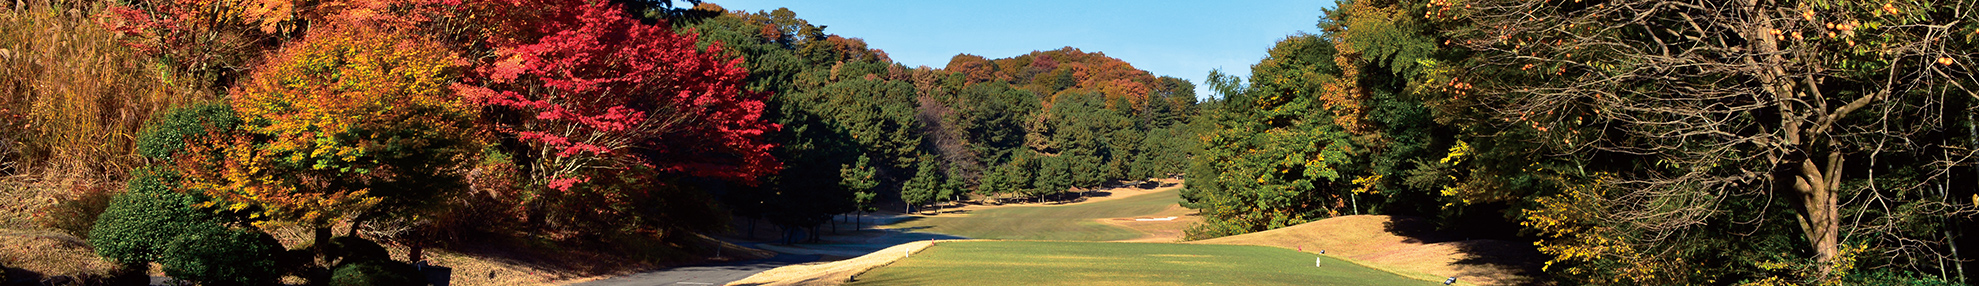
{"points": [[1638, 142], [416, 121], [859, 129]]}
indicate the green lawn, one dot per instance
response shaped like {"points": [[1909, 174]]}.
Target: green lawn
{"points": [[978, 263], [1072, 222]]}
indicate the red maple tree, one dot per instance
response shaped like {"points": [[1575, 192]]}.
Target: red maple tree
{"points": [[593, 90]]}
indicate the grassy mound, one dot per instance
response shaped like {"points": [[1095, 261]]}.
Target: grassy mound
{"points": [[1068, 222], [1404, 245], [1099, 263]]}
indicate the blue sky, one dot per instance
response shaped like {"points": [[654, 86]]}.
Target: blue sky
{"points": [[1183, 39]]}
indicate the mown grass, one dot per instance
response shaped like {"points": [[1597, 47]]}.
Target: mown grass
{"points": [[1100, 263], [1070, 222]]}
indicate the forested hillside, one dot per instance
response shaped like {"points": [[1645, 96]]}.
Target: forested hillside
{"points": [[858, 127]]}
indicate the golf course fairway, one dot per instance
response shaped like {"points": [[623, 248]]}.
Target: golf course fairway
{"points": [[1067, 222], [1098, 263]]}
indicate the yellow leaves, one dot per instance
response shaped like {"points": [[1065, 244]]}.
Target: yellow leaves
{"points": [[1457, 153], [1367, 183]]}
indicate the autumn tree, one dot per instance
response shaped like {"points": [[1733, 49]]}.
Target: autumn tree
{"points": [[349, 121], [586, 95]]}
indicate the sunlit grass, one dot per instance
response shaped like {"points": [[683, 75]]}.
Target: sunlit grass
{"points": [[1069, 222], [1099, 263]]}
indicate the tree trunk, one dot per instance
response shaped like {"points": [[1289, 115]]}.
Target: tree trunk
{"points": [[321, 244], [1818, 205], [415, 254]]}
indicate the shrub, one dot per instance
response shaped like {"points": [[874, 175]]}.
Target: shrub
{"points": [[138, 223], [169, 132], [377, 272], [216, 255], [76, 215]]}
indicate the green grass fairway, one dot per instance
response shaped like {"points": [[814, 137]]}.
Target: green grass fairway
{"points": [[1072, 222], [978, 263]]}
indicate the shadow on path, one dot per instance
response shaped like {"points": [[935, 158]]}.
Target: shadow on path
{"points": [[715, 274]]}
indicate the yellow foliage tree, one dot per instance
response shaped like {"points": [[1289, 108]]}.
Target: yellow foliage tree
{"points": [[350, 120]]}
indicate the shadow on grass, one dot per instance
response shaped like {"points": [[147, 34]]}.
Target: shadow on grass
{"points": [[608, 255], [1488, 252]]}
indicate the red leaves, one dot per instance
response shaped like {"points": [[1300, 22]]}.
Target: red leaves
{"points": [[598, 84]]}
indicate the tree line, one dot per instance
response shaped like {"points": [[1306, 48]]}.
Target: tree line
{"points": [[425, 123], [1635, 142], [859, 128]]}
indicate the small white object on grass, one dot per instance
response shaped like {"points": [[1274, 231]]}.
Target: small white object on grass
{"points": [[1317, 260]]}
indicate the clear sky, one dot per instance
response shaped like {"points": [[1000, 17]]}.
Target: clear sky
{"points": [[1183, 39]]}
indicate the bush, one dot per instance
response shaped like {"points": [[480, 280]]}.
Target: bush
{"points": [[216, 255], [168, 133], [377, 272], [77, 215], [138, 223]]}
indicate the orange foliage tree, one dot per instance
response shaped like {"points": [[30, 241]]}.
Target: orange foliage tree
{"points": [[350, 120]]}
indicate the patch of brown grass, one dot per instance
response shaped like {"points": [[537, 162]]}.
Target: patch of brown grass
{"points": [[1378, 241], [27, 245], [524, 259], [79, 94], [52, 254], [1159, 231]]}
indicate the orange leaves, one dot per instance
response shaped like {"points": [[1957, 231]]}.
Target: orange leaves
{"points": [[346, 107], [350, 79]]}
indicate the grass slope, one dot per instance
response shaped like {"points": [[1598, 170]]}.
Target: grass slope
{"points": [[1405, 245], [1070, 222], [1099, 263]]}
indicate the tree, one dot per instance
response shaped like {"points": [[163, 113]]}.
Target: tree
{"points": [[1054, 175], [350, 120], [1283, 147], [926, 186], [584, 94], [859, 179], [1708, 105]]}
